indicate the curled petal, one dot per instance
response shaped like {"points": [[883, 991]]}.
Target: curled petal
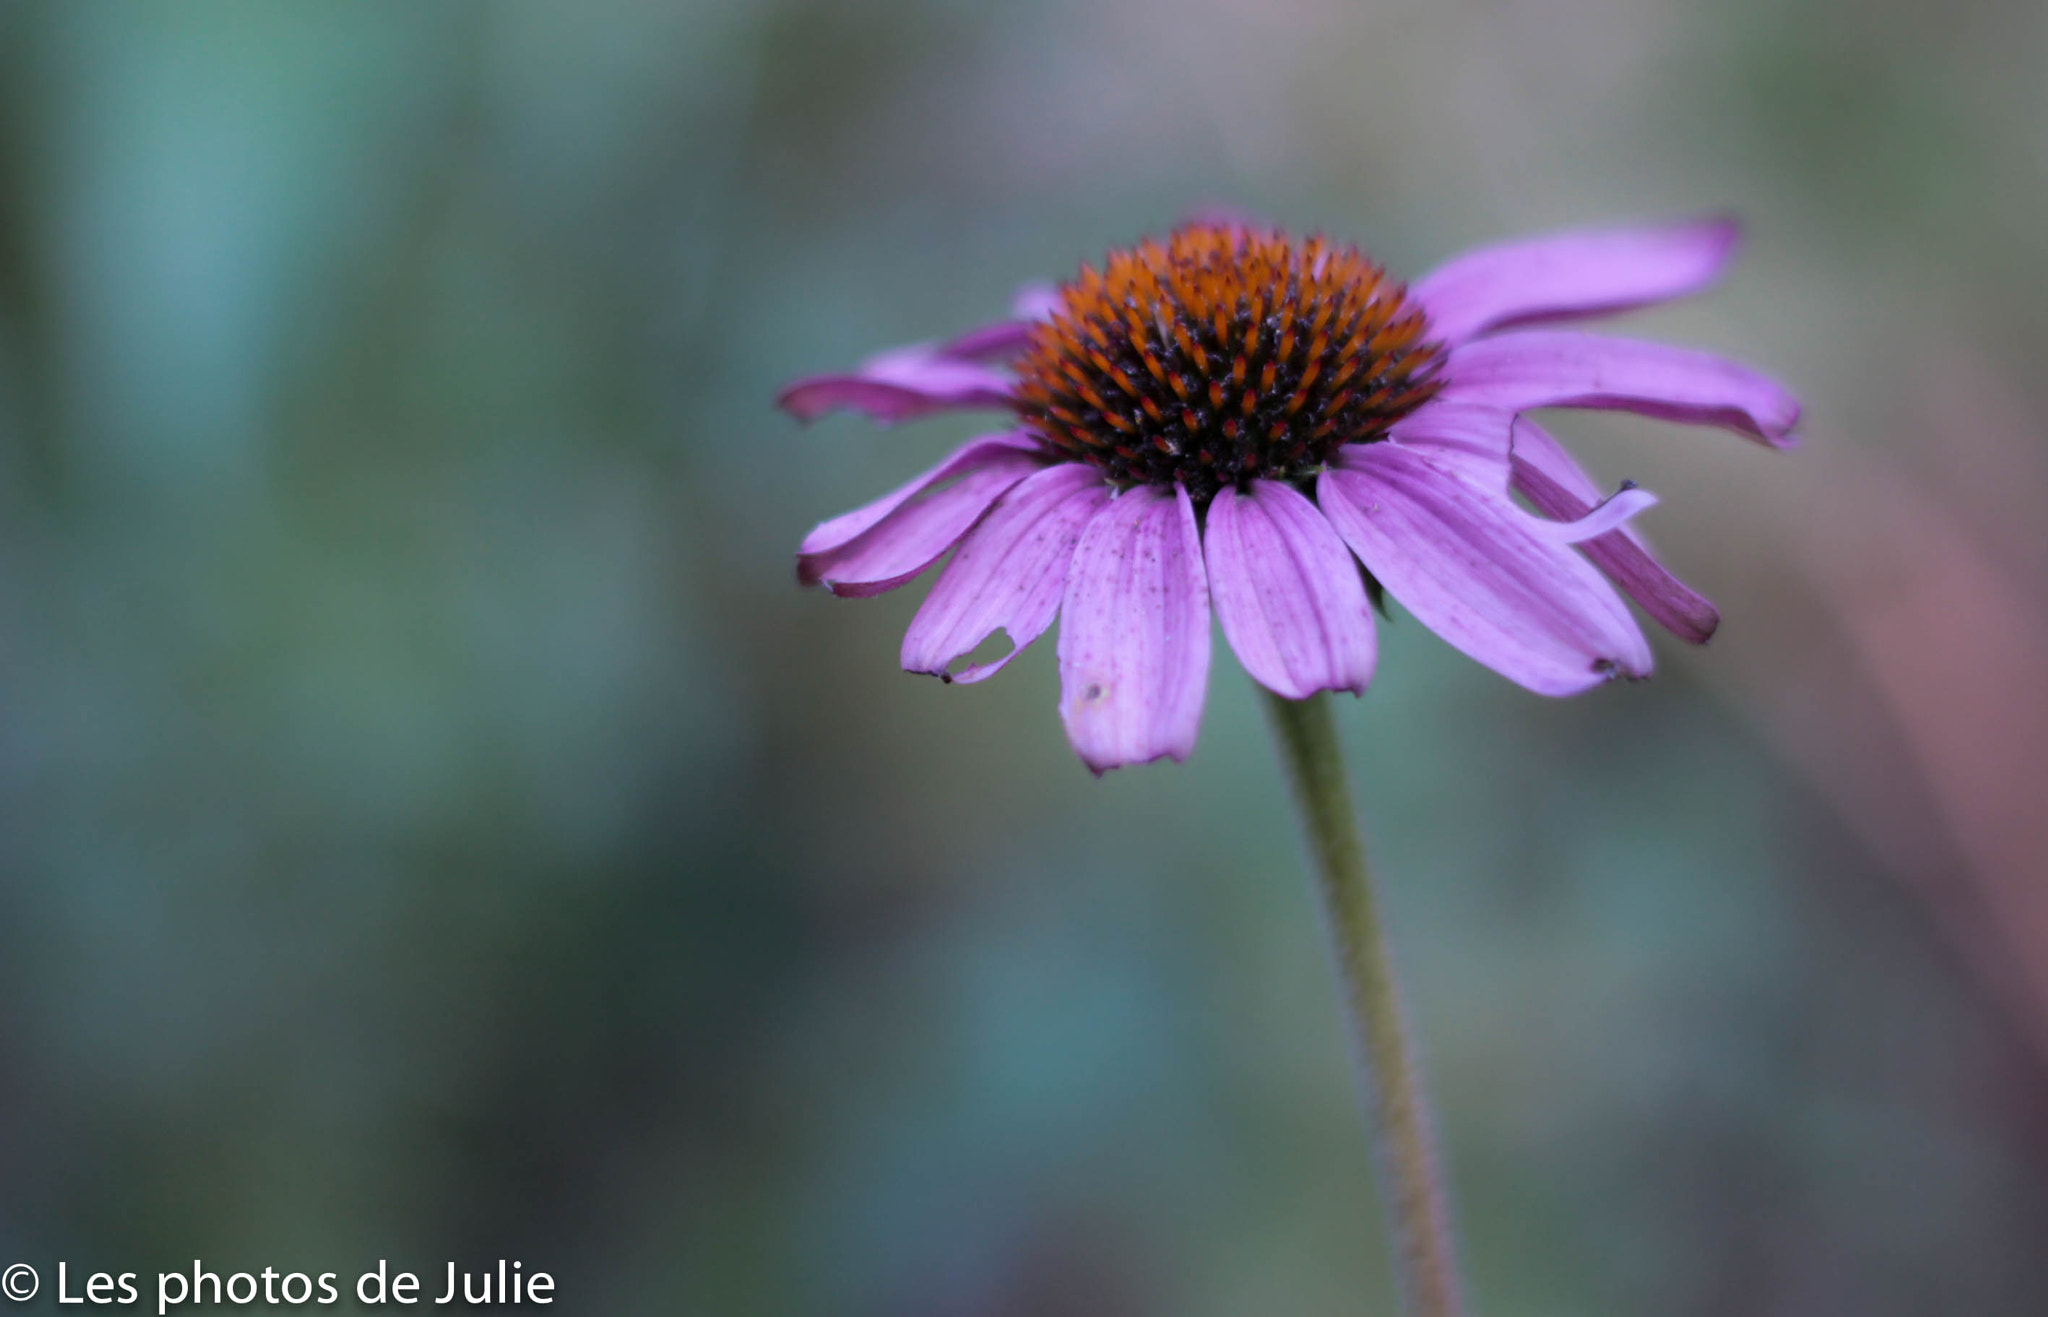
{"points": [[1602, 518], [1557, 486], [1557, 368], [1470, 566], [1009, 575], [1475, 444], [1287, 593], [884, 544], [1134, 634], [1570, 275], [906, 382]]}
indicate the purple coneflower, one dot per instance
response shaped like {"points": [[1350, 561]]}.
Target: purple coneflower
{"points": [[1227, 417]]}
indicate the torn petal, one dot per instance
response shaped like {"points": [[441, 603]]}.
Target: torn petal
{"points": [[1009, 574]]}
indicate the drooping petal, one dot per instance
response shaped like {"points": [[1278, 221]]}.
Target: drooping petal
{"points": [[1571, 275], [1009, 575], [1470, 567], [1134, 632], [1475, 444], [840, 530], [1546, 475], [884, 544], [1287, 592], [1559, 368], [903, 383]]}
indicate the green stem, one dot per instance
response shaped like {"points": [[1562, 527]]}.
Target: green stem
{"points": [[1424, 1255]]}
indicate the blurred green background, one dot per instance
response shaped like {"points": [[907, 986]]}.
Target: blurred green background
{"points": [[433, 824]]}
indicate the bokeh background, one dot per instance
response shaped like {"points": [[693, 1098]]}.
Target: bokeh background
{"points": [[434, 825]]}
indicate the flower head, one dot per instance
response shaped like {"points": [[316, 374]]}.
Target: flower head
{"points": [[1239, 419], [1222, 356]]}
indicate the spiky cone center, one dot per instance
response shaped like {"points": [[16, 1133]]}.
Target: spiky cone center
{"points": [[1223, 355]]}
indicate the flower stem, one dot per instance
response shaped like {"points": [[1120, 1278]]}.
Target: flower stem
{"points": [[1395, 1107]]}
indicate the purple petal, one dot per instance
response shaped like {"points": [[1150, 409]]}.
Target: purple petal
{"points": [[1603, 518], [1555, 368], [903, 383], [839, 530], [1006, 338], [1009, 575], [1472, 569], [1220, 215], [1475, 444], [1134, 635], [1570, 275], [1471, 439], [1287, 593], [1036, 301], [884, 544], [1557, 486]]}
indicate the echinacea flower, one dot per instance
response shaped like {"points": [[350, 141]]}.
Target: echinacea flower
{"points": [[1226, 417]]}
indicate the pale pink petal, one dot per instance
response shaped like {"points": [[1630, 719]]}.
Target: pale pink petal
{"points": [[828, 535], [1471, 568], [1134, 632], [1470, 438], [1474, 443], [1603, 518], [1532, 446], [1009, 575], [1559, 368], [1557, 486], [884, 544], [903, 383], [1036, 301], [1287, 592], [1570, 275]]}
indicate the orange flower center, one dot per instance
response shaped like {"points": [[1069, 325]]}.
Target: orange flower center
{"points": [[1222, 355]]}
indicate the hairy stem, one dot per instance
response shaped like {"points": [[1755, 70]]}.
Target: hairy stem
{"points": [[1425, 1256]]}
